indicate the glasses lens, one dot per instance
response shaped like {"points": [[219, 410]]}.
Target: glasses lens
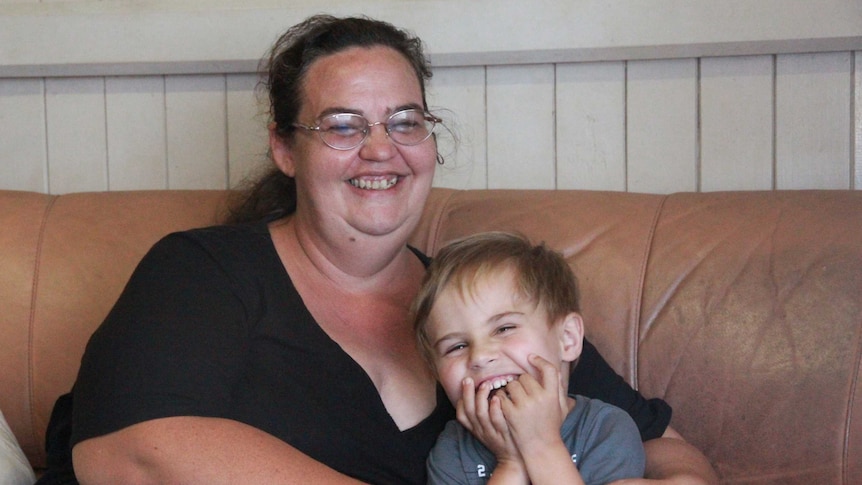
{"points": [[410, 127], [343, 130]]}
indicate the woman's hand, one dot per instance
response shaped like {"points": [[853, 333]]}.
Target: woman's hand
{"points": [[671, 460]]}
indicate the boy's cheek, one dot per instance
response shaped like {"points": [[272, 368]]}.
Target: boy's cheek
{"points": [[451, 380]]}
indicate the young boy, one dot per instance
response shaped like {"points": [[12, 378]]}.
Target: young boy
{"points": [[497, 319]]}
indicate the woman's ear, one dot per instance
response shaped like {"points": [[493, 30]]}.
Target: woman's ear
{"points": [[572, 338], [281, 152]]}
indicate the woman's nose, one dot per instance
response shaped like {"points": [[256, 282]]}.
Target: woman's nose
{"points": [[378, 146]]}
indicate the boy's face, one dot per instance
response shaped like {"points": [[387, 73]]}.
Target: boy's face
{"points": [[488, 333]]}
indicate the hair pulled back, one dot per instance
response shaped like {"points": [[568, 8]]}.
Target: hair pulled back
{"points": [[283, 73]]}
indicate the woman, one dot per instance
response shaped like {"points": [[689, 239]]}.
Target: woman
{"points": [[278, 349]]}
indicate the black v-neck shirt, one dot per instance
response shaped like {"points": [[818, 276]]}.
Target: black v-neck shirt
{"points": [[210, 324]]}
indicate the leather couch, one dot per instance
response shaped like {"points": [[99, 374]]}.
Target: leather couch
{"points": [[741, 309]]}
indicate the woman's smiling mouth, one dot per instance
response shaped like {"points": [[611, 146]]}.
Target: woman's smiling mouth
{"points": [[377, 184]]}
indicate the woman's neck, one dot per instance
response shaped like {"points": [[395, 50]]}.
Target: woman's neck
{"points": [[355, 261]]}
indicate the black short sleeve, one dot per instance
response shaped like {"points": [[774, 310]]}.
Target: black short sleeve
{"points": [[593, 377], [171, 345]]}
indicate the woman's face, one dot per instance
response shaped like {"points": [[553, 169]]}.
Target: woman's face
{"points": [[336, 190]]}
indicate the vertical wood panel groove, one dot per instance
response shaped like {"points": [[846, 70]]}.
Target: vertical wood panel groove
{"points": [[854, 120], [45, 160], [107, 137], [554, 122], [226, 134], [774, 140], [485, 127], [167, 166], [857, 120], [625, 126], [698, 129]]}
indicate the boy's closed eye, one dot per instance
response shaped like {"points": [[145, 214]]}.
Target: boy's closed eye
{"points": [[454, 348]]}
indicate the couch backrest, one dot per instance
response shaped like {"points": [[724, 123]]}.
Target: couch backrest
{"points": [[743, 310]]}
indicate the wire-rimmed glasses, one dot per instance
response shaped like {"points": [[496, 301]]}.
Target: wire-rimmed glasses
{"points": [[344, 131]]}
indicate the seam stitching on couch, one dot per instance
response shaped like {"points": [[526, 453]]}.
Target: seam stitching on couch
{"points": [[34, 289], [636, 344], [848, 421]]}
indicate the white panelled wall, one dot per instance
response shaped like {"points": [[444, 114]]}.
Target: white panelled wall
{"points": [[757, 121], [62, 135]]}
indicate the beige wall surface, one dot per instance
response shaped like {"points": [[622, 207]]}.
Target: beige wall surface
{"points": [[653, 96]]}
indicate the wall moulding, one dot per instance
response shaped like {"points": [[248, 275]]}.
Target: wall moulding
{"points": [[105, 38]]}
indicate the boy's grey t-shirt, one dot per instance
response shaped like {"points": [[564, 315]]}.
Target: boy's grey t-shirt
{"points": [[603, 440]]}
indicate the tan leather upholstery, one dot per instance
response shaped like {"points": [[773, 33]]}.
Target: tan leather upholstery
{"points": [[742, 309]]}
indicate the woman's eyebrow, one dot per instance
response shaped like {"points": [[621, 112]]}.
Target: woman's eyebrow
{"points": [[407, 106], [338, 110], [341, 109]]}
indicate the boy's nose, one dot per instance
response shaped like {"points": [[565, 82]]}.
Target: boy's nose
{"points": [[481, 356]]}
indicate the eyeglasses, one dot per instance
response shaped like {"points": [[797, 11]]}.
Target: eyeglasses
{"points": [[344, 131]]}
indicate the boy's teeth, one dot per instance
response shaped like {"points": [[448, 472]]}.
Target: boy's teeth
{"points": [[498, 383]]}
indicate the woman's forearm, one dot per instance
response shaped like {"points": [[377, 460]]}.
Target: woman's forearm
{"points": [[674, 460], [195, 450]]}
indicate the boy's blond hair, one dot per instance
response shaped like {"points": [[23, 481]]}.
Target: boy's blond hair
{"points": [[541, 275]]}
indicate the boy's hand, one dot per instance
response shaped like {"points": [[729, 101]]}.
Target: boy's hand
{"points": [[534, 407], [522, 420], [483, 417]]}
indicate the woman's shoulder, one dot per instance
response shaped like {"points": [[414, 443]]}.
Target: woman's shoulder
{"points": [[238, 238], [239, 251], [226, 233]]}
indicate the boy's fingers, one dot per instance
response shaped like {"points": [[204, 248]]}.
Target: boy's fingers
{"points": [[468, 394], [465, 410], [496, 413], [548, 373]]}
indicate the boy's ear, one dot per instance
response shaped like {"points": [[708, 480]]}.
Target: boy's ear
{"points": [[572, 338], [281, 152]]}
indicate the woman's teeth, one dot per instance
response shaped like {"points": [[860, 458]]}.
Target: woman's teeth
{"points": [[374, 184]]}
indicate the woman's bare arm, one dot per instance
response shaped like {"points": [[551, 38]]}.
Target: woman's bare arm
{"points": [[195, 450], [673, 461]]}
